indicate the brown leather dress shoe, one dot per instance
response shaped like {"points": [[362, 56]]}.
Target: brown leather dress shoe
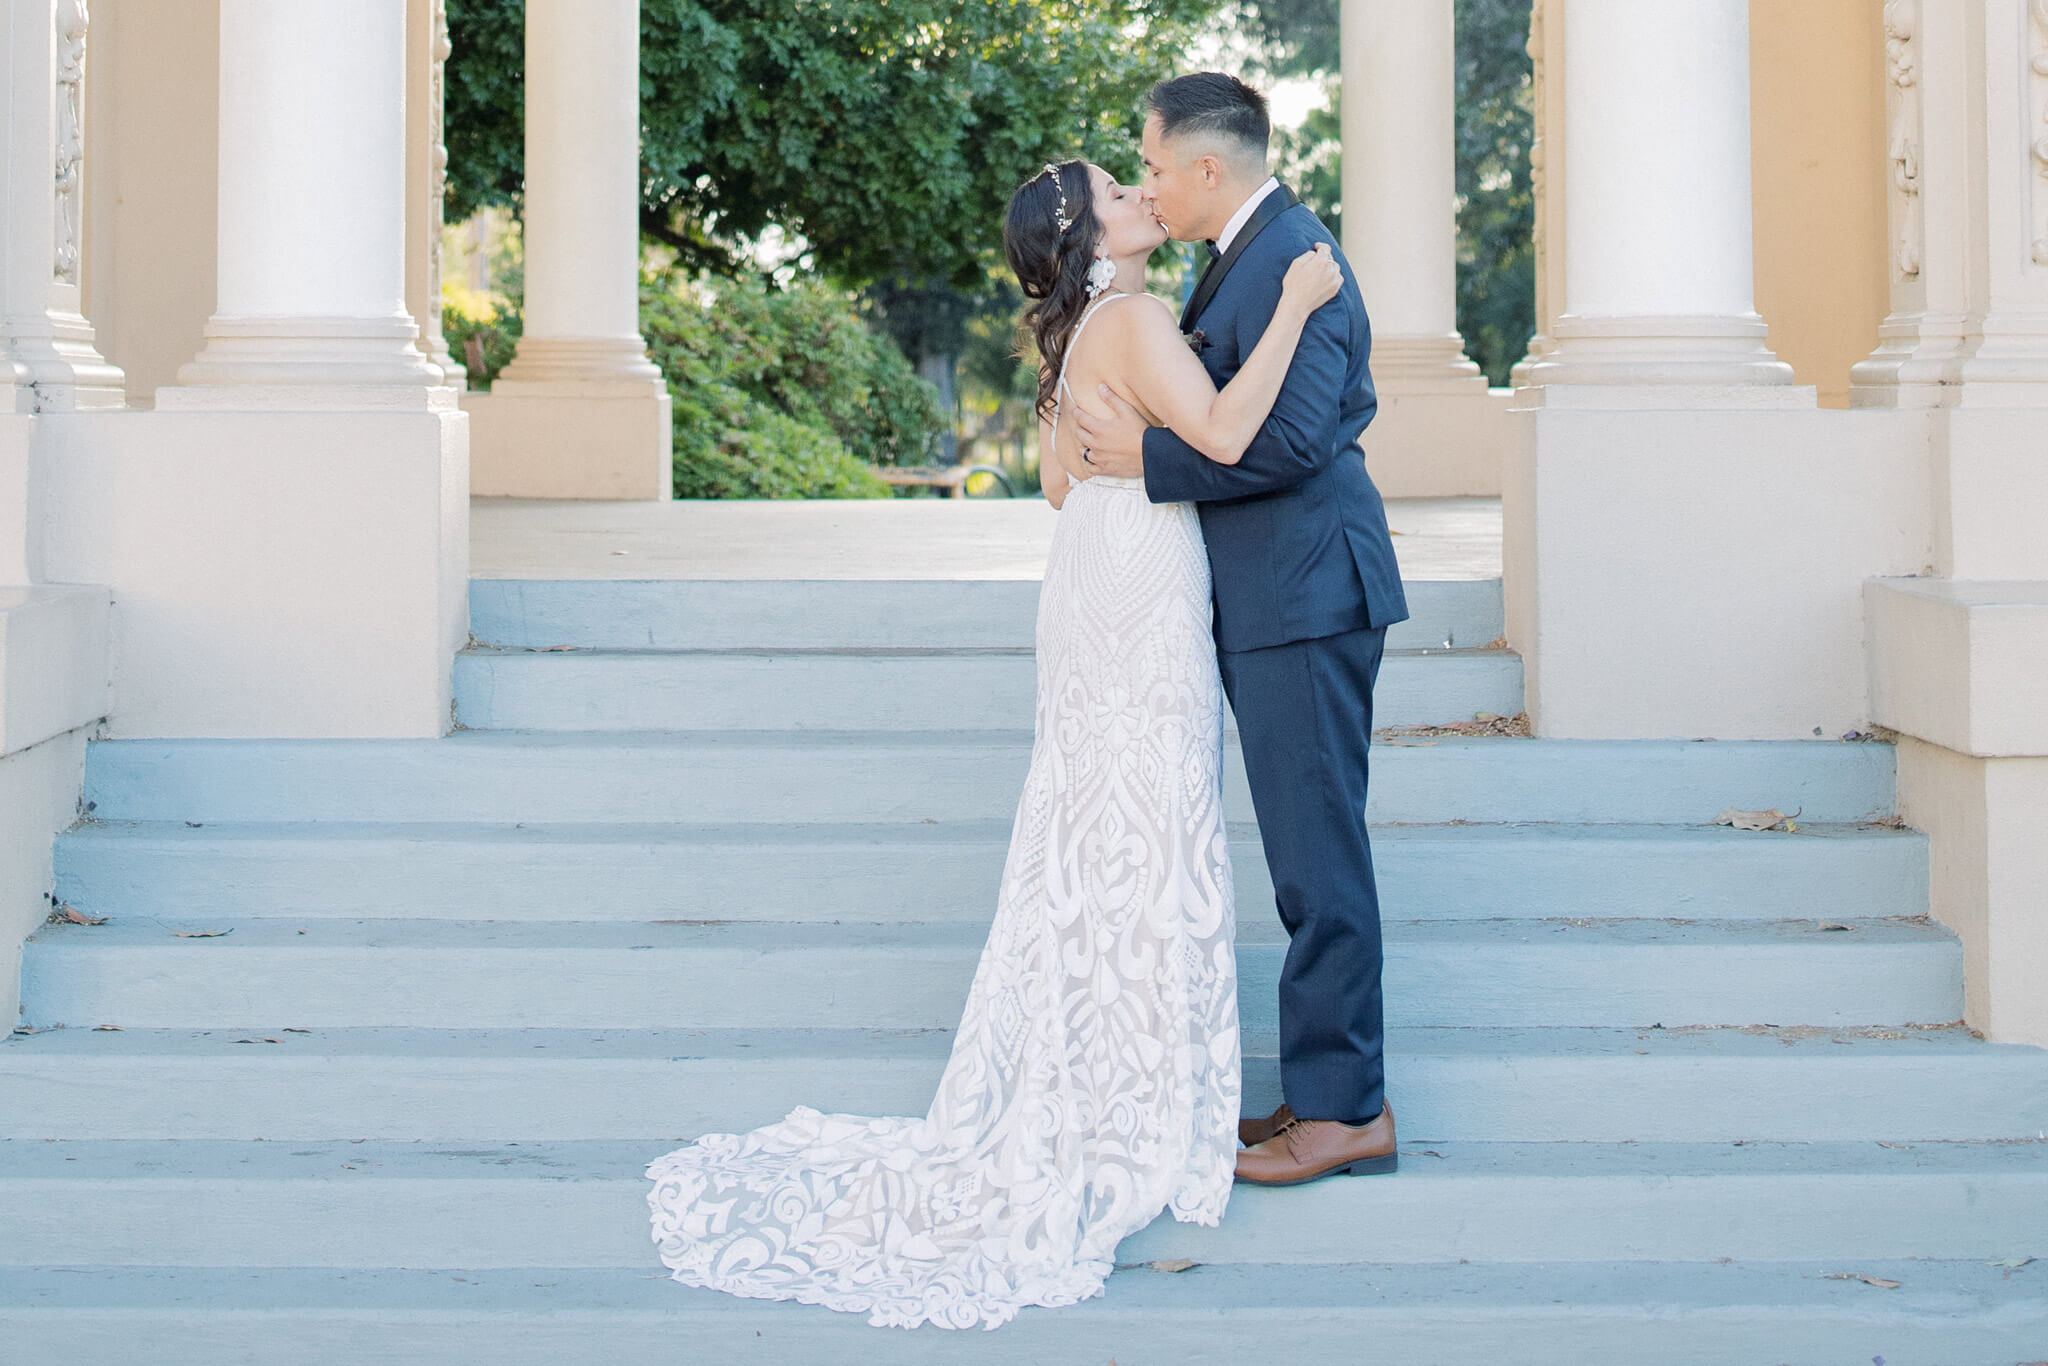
{"points": [[1308, 1149], [1252, 1131]]}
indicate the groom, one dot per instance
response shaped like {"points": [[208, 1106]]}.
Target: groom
{"points": [[1306, 586]]}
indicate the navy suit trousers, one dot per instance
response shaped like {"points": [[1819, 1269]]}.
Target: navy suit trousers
{"points": [[1304, 716]]}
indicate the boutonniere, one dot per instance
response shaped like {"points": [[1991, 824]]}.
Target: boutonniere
{"points": [[1198, 341]]}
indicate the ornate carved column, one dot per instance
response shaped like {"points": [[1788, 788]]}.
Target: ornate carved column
{"points": [[312, 213], [580, 412], [1658, 266], [52, 363], [1546, 175], [1400, 189], [426, 174]]}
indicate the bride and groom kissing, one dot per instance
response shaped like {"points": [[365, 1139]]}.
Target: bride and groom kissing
{"points": [[1218, 536]]}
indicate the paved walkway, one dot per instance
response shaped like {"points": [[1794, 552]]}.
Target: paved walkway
{"points": [[901, 538]]}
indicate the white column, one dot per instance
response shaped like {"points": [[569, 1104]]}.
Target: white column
{"points": [[580, 412], [1400, 188], [1658, 266], [47, 354], [582, 223], [311, 294]]}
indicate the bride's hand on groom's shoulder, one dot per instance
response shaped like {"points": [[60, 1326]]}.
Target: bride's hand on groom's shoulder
{"points": [[1313, 280], [1112, 435]]}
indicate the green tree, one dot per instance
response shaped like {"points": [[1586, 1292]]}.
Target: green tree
{"points": [[886, 134]]}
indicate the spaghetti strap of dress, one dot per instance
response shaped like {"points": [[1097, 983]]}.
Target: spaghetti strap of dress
{"points": [[1060, 390]]}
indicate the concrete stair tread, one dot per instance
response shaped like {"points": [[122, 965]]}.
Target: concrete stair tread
{"points": [[542, 654], [406, 934], [1726, 840], [643, 613], [948, 869], [140, 970], [397, 1045], [606, 1160], [1472, 1083], [825, 775], [1257, 1298], [582, 1203]]}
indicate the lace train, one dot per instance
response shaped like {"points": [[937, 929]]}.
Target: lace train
{"points": [[1094, 1079]]}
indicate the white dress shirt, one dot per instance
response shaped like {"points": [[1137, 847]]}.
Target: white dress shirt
{"points": [[1243, 215]]}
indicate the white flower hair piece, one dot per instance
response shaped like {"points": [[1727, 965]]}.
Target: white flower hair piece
{"points": [[1101, 275], [1063, 218]]}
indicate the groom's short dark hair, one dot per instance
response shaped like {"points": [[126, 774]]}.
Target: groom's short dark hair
{"points": [[1215, 103]]}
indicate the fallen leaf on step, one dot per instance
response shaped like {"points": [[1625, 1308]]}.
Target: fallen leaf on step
{"points": [[273, 1041], [1832, 925], [71, 915], [289, 1030], [1773, 819], [1177, 1264], [1880, 1282], [555, 649], [1882, 1144], [2012, 1263], [108, 1029], [201, 934], [1497, 643]]}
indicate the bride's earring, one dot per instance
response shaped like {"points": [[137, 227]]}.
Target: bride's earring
{"points": [[1101, 275]]}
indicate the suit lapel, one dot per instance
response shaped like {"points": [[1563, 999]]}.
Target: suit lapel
{"points": [[1270, 208]]}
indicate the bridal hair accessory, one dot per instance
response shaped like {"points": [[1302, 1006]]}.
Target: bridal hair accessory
{"points": [[1063, 218], [1101, 276]]}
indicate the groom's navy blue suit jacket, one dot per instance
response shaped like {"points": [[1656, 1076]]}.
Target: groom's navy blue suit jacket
{"points": [[1297, 534]]}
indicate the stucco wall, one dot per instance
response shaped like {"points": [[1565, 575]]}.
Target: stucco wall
{"points": [[1818, 166]]}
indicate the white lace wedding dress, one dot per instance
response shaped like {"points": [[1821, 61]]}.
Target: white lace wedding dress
{"points": [[1094, 1079]]}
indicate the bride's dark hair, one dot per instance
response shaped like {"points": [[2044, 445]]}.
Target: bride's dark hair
{"points": [[1051, 263]]}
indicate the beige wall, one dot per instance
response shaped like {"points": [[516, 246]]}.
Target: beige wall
{"points": [[1817, 130], [152, 117]]}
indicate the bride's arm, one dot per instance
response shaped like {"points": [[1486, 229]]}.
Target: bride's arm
{"points": [[1169, 381]]}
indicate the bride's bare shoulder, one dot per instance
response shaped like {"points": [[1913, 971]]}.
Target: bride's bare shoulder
{"points": [[1140, 322]]}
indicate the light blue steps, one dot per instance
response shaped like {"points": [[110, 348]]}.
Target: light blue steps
{"points": [[1473, 1084], [478, 1204], [554, 777], [843, 614], [1529, 1314], [137, 971], [870, 689], [909, 871]]}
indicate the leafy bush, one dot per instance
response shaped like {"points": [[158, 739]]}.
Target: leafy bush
{"points": [[804, 351], [781, 393]]}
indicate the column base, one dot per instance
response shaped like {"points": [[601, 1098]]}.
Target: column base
{"points": [[274, 574], [599, 439], [60, 370], [251, 353], [1708, 350], [1441, 445], [602, 360], [1687, 573], [1424, 365]]}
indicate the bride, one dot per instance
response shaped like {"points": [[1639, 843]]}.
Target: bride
{"points": [[1093, 1081]]}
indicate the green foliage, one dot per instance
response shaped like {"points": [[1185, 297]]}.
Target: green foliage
{"points": [[496, 337], [781, 393], [886, 134]]}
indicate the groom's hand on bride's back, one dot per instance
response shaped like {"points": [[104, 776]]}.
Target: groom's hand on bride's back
{"points": [[1112, 435]]}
